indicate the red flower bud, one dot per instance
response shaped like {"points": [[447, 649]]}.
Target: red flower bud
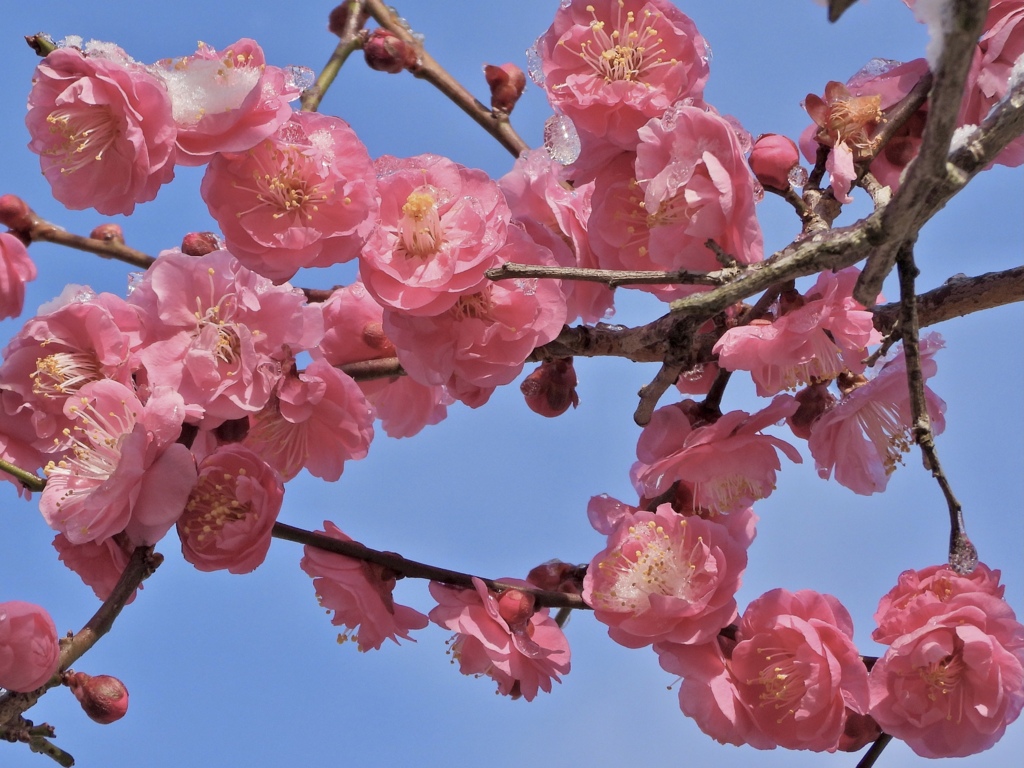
{"points": [[506, 83], [104, 698], [110, 233], [200, 243], [557, 576], [386, 52], [860, 730], [551, 388], [814, 401], [374, 338], [15, 214], [515, 607], [772, 158], [338, 19]]}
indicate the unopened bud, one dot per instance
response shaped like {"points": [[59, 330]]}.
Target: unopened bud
{"points": [[859, 731], [506, 83], [772, 158], [814, 401], [15, 214], [109, 233], [339, 17], [374, 338], [387, 52], [103, 698], [200, 243], [515, 607], [557, 576], [551, 388]]}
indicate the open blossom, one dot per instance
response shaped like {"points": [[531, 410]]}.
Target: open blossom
{"points": [[218, 333], [224, 101], [29, 651], [611, 65], [863, 436], [521, 653], [304, 197], [360, 594], [102, 127], [953, 676], [98, 563], [319, 419], [124, 471], [16, 269], [728, 464], [666, 577], [231, 511], [818, 337], [441, 226]]}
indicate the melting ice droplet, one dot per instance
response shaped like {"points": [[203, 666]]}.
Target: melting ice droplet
{"points": [[534, 67], [561, 140], [299, 77]]}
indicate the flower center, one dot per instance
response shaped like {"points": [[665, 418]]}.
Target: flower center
{"points": [[630, 51], [85, 132], [420, 233], [64, 373], [943, 681], [212, 506], [782, 681], [285, 183]]}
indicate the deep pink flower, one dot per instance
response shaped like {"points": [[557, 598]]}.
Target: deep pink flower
{"points": [[124, 472], [360, 594], [102, 127], [231, 511], [797, 670], [611, 65], [98, 563], [666, 577], [441, 226], [950, 686], [29, 651], [16, 269], [826, 333], [319, 420], [727, 464], [224, 101], [865, 434], [305, 197], [522, 657]]}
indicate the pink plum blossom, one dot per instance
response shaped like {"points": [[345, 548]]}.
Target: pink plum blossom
{"points": [[98, 563], [354, 333], [29, 651], [611, 65], [727, 464], [224, 101], [522, 656], [816, 337], [954, 679], [123, 472], [863, 436], [360, 594], [16, 269], [231, 511], [102, 127], [797, 670], [219, 333], [441, 226], [666, 577], [319, 419], [305, 197]]}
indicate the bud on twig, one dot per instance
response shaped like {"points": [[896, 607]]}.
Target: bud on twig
{"points": [[386, 52], [103, 698], [108, 233], [506, 83]]}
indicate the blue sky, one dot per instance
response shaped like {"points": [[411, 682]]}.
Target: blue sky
{"points": [[244, 670]]}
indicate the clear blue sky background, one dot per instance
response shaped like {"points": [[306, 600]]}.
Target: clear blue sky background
{"points": [[243, 670]]}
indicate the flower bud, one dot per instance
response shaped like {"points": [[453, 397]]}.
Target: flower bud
{"points": [[814, 401], [200, 243], [15, 214], [515, 607], [386, 52], [110, 233], [374, 338], [338, 19], [772, 158], [860, 730], [551, 388], [557, 576], [506, 83], [104, 698]]}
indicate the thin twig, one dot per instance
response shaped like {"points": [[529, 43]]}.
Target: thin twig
{"points": [[875, 752], [107, 249], [349, 42], [613, 277]]}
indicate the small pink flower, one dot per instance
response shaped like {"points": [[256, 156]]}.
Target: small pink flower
{"points": [[98, 563], [224, 101], [230, 512], [771, 159], [29, 651], [865, 434], [16, 269], [611, 65], [522, 657], [360, 594], [727, 464], [825, 333], [102, 127], [319, 420], [441, 226], [666, 577], [305, 197], [797, 670]]}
